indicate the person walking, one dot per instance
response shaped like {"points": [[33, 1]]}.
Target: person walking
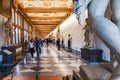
{"points": [[31, 47], [38, 48], [58, 43], [47, 42]]}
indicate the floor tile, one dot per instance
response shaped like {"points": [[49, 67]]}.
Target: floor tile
{"points": [[52, 62]]}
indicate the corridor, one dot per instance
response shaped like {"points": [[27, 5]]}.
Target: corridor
{"points": [[53, 65], [83, 38]]}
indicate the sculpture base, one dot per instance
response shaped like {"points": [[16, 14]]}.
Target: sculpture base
{"points": [[91, 54]]}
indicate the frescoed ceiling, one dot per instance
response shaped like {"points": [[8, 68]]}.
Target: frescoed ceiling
{"points": [[46, 15]]}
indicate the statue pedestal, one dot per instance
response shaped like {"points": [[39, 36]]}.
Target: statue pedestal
{"points": [[91, 54], [9, 54]]}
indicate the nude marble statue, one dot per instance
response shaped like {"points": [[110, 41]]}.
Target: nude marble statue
{"points": [[8, 32], [106, 30]]}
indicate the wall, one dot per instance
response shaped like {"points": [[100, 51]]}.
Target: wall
{"points": [[55, 33], [71, 26]]}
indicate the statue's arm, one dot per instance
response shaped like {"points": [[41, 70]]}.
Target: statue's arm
{"points": [[80, 7]]}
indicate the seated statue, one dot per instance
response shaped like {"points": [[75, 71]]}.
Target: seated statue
{"points": [[105, 29]]}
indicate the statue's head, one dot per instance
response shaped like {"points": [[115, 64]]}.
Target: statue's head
{"points": [[9, 19]]}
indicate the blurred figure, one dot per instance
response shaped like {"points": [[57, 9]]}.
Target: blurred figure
{"points": [[47, 42], [58, 43], [25, 44], [31, 47], [62, 42], [38, 48], [69, 41]]}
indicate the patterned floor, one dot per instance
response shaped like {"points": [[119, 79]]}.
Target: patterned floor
{"points": [[52, 63]]}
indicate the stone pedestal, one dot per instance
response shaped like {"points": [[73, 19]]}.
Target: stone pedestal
{"points": [[8, 58], [91, 54]]}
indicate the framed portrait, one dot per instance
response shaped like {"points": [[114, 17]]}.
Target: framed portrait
{"points": [[5, 8]]}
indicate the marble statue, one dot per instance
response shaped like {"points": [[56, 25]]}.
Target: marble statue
{"points": [[106, 30], [86, 34], [8, 32]]}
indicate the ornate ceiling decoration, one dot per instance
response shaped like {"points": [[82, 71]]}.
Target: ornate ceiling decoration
{"points": [[46, 3], [45, 15]]}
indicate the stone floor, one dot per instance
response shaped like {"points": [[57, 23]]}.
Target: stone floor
{"points": [[52, 63]]}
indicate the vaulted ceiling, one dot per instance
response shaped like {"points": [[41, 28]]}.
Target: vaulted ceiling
{"points": [[46, 15]]}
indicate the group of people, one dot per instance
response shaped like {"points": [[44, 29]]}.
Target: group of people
{"points": [[35, 45], [60, 43]]}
